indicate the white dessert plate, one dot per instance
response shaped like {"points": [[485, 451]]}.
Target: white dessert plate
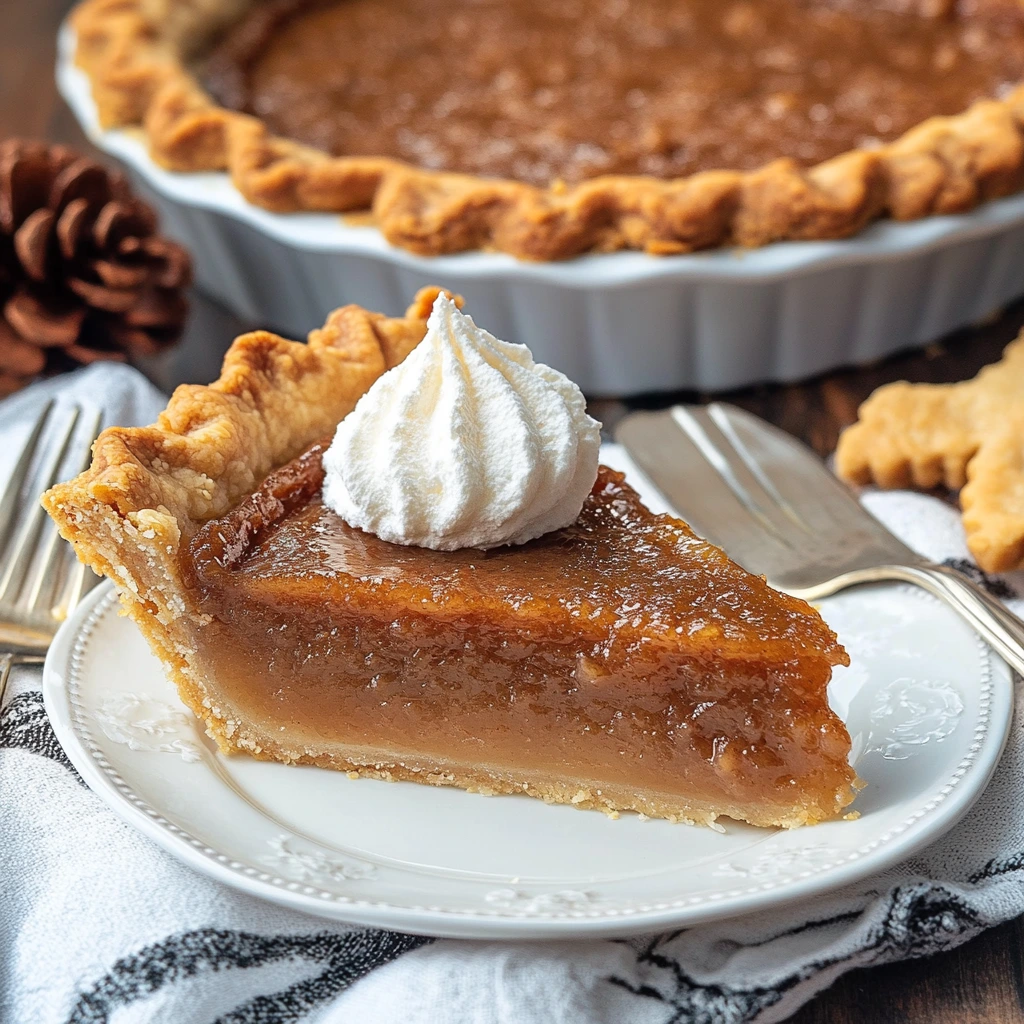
{"points": [[927, 704]]}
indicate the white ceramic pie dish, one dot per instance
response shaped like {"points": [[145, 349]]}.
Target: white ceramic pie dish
{"points": [[618, 323]]}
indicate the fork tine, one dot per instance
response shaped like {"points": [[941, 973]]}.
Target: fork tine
{"points": [[719, 413], [9, 501], [6, 664], [847, 544], [669, 455], [14, 573], [47, 563], [80, 581], [736, 467], [795, 474]]}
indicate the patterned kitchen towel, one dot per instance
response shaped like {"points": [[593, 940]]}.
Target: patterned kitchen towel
{"points": [[98, 925]]}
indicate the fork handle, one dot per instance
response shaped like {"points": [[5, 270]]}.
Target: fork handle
{"points": [[997, 624], [8, 659]]}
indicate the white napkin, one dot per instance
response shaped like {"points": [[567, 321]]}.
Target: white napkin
{"points": [[99, 925]]}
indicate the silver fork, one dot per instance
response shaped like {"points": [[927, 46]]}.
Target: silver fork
{"points": [[776, 509], [40, 580]]}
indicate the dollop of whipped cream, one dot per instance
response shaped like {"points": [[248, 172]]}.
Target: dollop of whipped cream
{"points": [[468, 443]]}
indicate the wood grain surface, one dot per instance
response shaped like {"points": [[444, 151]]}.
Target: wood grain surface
{"points": [[983, 981]]}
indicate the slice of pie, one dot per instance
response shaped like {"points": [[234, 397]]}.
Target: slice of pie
{"points": [[619, 663], [546, 129]]}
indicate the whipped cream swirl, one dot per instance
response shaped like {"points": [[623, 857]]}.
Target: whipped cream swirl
{"points": [[468, 443]]}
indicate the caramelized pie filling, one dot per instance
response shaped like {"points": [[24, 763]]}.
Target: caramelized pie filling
{"points": [[620, 651], [540, 90]]}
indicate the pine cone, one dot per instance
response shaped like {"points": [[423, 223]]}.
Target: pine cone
{"points": [[83, 275]]}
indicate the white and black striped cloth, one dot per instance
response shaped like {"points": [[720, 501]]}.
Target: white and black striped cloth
{"points": [[98, 925]]}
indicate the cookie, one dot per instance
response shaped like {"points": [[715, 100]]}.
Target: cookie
{"points": [[967, 436]]}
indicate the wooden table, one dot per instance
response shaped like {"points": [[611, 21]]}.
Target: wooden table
{"points": [[981, 981]]}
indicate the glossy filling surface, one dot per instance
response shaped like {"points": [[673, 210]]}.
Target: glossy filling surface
{"points": [[620, 651], [539, 90]]}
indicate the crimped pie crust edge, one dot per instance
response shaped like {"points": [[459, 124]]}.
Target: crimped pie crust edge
{"points": [[149, 488], [139, 77]]}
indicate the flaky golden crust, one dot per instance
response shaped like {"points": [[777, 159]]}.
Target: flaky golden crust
{"points": [[213, 444], [944, 165], [967, 436], [150, 488]]}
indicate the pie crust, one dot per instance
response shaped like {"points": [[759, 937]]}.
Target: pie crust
{"points": [[150, 489], [135, 53], [210, 524]]}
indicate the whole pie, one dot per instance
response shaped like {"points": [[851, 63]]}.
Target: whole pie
{"points": [[618, 663], [548, 128]]}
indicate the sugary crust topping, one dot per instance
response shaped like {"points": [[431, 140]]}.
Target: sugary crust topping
{"points": [[213, 445], [968, 436], [944, 165]]}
